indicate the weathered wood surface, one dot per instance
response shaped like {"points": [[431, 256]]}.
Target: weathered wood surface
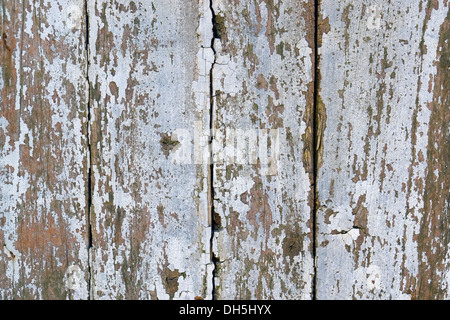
{"points": [[149, 76], [263, 199], [43, 151], [383, 181], [328, 188]]}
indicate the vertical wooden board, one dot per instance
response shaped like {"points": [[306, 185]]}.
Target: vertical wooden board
{"points": [[263, 195], [149, 65], [383, 182], [43, 151]]}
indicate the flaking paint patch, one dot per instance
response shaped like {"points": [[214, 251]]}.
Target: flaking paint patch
{"points": [[74, 281], [433, 236], [374, 19], [43, 158]]}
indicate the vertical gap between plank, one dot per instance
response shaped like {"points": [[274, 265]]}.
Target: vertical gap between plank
{"points": [[89, 151]]}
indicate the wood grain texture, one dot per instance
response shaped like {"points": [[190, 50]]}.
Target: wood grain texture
{"points": [[263, 199], [149, 75], [383, 184], [330, 188], [43, 151]]}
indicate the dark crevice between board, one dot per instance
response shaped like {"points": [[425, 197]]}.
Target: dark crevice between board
{"points": [[315, 150], [214, 259], [89, 151]]}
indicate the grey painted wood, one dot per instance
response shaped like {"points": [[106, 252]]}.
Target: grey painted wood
{"points": [[334, 188], [383, 183], [43, 151], [149, 88], [262, 125]]}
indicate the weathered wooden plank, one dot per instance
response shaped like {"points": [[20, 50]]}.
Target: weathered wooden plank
{"points": [[383, 184], [43, 150], [149, 75], [263, 199]]}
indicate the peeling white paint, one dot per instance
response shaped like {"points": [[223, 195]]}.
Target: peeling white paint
{"points": [[374, 20], [75, 282], [376, 133], [373, 277], [43, 79], [133, 174], [74, 16], [151, 215]]}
